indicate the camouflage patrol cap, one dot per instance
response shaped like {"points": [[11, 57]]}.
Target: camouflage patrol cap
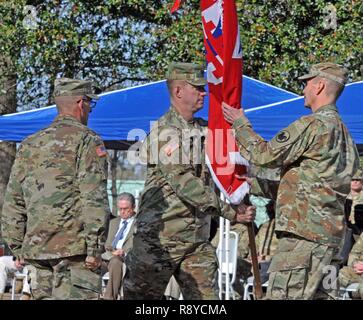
{"points": [[328, 70], [74, 87], [358, 175], [189, 72]]}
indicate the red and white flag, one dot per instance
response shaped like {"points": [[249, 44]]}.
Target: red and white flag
{"points": [[224, 75]]}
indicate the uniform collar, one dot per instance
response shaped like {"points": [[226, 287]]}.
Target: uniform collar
{"points": [[68, 118], [176, 115], [328, 107]]}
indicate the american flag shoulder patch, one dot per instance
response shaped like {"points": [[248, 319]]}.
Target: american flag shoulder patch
{"points": [[101, 151]]}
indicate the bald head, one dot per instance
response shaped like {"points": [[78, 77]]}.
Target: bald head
{"points": [[66, 104]]}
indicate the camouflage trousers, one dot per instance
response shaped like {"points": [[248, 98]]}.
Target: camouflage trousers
{"points": [[149, 268], [302, 270], [347, 276], [64, 279]]}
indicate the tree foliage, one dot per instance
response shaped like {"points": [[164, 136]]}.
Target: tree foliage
{"points": [[122, 42], [280, 38], [99, 40]]}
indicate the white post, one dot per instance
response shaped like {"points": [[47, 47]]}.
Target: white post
{"points": [[223, 256], [226, 239], [137, 200], [220, 256]]}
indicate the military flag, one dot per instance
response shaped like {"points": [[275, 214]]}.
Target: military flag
{"points": [[224, 75]]}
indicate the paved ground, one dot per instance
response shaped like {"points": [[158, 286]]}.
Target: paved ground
{"points": [[18, 287], [7, 296]]}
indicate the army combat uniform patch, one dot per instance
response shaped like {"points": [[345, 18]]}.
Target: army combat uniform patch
{"points": [[101, 151], [283, 136]]}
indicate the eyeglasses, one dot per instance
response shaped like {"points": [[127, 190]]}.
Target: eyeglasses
{"points": [[92, 103]]}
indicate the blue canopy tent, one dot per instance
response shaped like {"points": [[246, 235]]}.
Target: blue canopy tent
{"points": [[268, 120], [126, 115], [123, 114]]}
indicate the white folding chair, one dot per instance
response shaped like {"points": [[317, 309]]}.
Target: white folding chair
{"points": [[18, 275], [105, 279], [227, 268], [346, 293], [248, 291]]}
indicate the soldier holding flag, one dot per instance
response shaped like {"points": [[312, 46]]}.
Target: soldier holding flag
{"points": [[173, 223]]}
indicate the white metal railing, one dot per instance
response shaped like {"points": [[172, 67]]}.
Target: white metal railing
{"points": [[223, 256]]}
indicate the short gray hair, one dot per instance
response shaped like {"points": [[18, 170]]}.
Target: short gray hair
{"points": [[128, 197]]}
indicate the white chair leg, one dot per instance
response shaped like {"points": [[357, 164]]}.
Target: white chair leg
{"points": [[13, 288], [245, 292]]}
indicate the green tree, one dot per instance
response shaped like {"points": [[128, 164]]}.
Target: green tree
{"points": [[99, 40], [122, 42], [7, 104], [8, 80], [280, 38]]}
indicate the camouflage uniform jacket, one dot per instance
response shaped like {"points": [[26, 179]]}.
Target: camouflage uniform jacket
{"points": [[356, 254], [317, 158], [56, 201], [176, 204]]}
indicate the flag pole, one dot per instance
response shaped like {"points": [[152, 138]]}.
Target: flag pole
{"points": [[227, 263], [253, 251], [255, 268], [220, 256]]}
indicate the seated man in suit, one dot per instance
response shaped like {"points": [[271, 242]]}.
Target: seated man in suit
{"points": [[119, 241]]}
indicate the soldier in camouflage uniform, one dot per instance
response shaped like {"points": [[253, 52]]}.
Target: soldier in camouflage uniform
{"points": [[173, 223], [56, 203], [353, 273], [354, 204], [317, 158]]}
